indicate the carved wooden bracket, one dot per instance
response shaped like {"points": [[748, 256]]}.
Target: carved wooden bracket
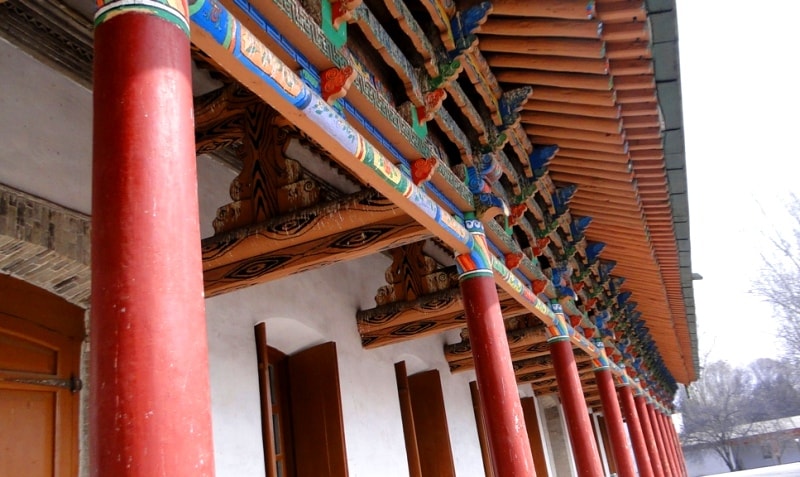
{"points": [[422, 170], [433, 101], [513, 259], [269, 184], [412, 275], [335, 82], [517, 212], [342, 11]]}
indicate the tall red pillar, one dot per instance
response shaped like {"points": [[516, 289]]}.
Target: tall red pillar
{"points": [[635, 430], [668, 428], [613, 418], [660, 445], [649, 436], [659, 417], [579, 428], [150, 412], [497, 384], [679, 448]]}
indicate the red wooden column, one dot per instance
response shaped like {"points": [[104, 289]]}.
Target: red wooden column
{"points": [[679, 448], [150, 412], [660, 445], [668, 444], [649, 436], [635, 430], [613, 416], [497, 384], [667, 447], [587, 457], [668, 428]]}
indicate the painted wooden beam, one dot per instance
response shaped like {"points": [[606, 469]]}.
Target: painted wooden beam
{"points": [[308, 255], [397, 322], [302, 240]]}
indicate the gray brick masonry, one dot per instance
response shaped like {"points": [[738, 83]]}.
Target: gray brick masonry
{"points": [[45, 245]]}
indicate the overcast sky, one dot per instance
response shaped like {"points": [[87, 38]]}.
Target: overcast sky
{"points": [[741, 97]]}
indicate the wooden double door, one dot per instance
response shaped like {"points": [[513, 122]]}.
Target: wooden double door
{"points": [[40, 336]]}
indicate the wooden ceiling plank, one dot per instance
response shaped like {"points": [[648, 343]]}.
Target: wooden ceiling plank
{"points": [[601, 125], [607, 112], [565, 9], [542, 27], [617, 149], [630, 67], [555, 79], [625, 83], [630, 31], [595, 66], [622, 11], [575, 96], [574, 48], [567, 133]]}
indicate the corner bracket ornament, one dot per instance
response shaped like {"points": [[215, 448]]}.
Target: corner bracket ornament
{"points": [[342, 11], [465, 24], [335, 82], [448, 72], [511, 104], [422, 170], [410, 113], [412, 275], [488, 205], [513, 260], [540, 157], [517, 212], [433, 101]]}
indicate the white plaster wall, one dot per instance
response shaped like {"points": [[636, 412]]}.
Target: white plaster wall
{"points": [[558, 441], [46, 122], [304, 310], [308, 309]]}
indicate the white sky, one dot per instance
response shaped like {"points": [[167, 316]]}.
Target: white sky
{"points": [[741, 99]]}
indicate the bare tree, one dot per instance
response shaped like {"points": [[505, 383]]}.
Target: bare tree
{"points": [[715, 411], [775, 394], [780, 282]]}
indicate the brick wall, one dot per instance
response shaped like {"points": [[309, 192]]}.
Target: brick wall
{"points": [[45, 245]]}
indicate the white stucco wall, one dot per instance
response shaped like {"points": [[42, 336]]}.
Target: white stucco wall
{"points": [[46, 121], [308, 309]]}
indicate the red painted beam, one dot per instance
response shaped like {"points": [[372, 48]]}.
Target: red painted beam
{"points": [[497, 385], [150, 411]]}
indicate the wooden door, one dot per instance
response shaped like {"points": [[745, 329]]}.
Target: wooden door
{"points": [[38, 402], [316, 413], [430, 424]]}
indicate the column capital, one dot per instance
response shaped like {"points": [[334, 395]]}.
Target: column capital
{"points": [[478, 262], [175, 12], [601, 360], [560, 329]]}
